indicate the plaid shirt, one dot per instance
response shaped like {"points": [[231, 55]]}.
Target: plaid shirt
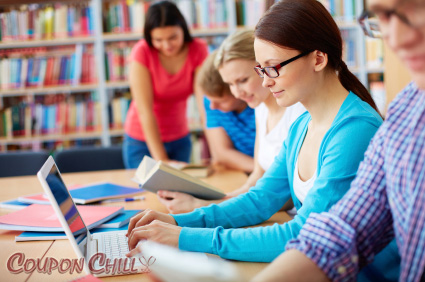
{"points": [[386, 199]]}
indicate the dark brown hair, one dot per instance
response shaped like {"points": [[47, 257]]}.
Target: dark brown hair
{"points": [[305, 25], [161, 14]]}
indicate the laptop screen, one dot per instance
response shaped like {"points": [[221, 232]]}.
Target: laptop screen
{"points": [[66, 204]]}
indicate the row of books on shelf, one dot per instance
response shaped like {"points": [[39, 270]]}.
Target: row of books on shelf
{"points": [[118, 107], [374, 52], [249, 12], [128, 15], [203, 14], [46, 21], [124, 16], [349, 48], [40, 67], [60, 114], [49, 145], [116, 60], [31, 116], [342, 10], [61, 20], [51, 114]]}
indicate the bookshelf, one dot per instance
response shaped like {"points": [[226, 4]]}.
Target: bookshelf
{"points": [[110, 40]]}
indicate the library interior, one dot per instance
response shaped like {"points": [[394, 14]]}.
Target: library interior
{"points": [[65, 92]]}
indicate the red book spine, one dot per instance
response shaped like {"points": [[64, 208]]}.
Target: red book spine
{"points": [[65, 108], [49, 71], [84, 71], [126, 18], [92, 69], [84, 23], [31, 19]]}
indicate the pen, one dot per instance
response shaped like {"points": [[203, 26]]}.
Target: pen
{"points": [[124, 199]]}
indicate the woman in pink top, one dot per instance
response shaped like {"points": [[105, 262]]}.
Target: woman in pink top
{"points": [[162, 74]]}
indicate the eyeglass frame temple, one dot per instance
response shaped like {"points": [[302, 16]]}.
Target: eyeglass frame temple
{"points": [[364, 23], [279, 66]]}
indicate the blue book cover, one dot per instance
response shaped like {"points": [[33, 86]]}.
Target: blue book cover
{"points": [[99, 229], [120, 220], [89, 194], [349, 10], [102, 191], [90, 14], [29, 71], [46, 236], [69, 21], [13, 204]]}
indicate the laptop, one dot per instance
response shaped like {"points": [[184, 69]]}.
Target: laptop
{"points": [[96, 248]]}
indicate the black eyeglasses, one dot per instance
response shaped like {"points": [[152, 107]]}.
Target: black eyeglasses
{"points": [[273, 72], [375, 23]]}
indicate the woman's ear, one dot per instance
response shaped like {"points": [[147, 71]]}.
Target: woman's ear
{"points": [[321, 60]]}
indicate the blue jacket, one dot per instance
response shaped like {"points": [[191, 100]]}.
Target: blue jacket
{"points": [[211, 229]]}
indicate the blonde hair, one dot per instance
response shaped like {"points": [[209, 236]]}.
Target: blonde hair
{"points": [[238, 45], [209, 78]]}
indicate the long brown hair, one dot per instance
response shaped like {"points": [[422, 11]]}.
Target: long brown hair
{"points": [[306, 25]]}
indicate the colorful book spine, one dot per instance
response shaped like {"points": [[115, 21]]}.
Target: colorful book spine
{"points": [[118, 109], [116, 61], [46, 21], [41, 67], [50, 114]]}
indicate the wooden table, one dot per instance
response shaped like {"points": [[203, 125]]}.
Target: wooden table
{"points": [[14, 187]]}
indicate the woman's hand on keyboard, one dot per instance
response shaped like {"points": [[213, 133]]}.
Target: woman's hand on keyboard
{"points": [[146, 217], [157, 231]]}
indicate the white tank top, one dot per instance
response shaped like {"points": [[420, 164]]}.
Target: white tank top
{"points": [[270, 143], [301, 188]]}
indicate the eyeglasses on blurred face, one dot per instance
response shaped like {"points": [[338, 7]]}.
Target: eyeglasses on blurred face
{"points": [[375, 22]]}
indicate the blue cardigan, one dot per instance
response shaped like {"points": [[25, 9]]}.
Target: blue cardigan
{"points": [[340, 153]]}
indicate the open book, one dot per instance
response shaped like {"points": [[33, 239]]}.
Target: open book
{"points": [[155, 175]]}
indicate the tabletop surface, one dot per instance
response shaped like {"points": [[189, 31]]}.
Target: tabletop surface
{"points": [[13, 187]]}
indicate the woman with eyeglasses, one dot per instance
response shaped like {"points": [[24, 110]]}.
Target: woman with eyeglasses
{"points": [[162, 73], [298, 47], [235, 60]]}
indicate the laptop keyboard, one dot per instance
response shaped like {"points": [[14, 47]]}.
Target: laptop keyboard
{"points": [[116, 245]]}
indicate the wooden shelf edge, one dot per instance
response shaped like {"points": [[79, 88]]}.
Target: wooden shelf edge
{"points": [[117, 84], [111, 36], [49, 90], [129, 36], [380, 69], [347, 24], [47, 42], [51, 137]]}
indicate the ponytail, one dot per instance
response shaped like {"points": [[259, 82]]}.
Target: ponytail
{"points": [[353, 84]]}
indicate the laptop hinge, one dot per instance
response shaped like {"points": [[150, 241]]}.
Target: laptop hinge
{"points": [[92, 246]]}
